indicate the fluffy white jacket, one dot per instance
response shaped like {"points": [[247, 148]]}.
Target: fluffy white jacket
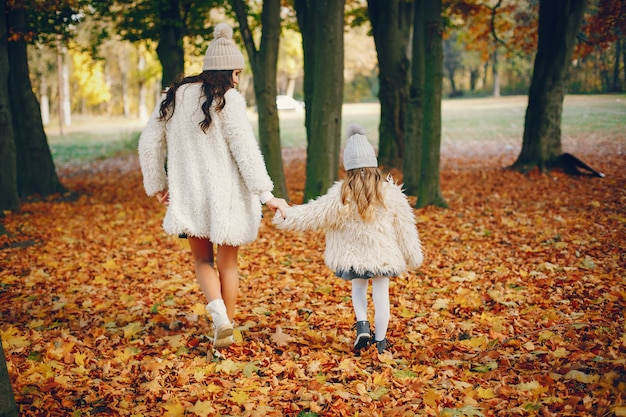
{"points": [[389, 243], [215, 179]]}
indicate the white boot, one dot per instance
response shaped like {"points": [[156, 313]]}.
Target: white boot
{"points": [[222, 326]]}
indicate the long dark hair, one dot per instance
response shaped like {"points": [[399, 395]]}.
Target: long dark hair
{"points": [[215, 83]]}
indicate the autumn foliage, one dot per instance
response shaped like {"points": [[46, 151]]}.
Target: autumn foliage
{"points": [[518, 309]]}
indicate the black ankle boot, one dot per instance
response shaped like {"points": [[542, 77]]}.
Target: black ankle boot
{"points": [[382, 345], [363, 335]]}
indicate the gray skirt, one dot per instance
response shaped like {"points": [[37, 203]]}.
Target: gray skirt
{"points": [[350, 274]]}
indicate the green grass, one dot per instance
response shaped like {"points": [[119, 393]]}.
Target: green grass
{"points": [[86, 146], [472, 119]]}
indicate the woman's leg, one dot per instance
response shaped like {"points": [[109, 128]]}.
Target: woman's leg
{"points": [[206, 275], [380, 295], [229, 276]]}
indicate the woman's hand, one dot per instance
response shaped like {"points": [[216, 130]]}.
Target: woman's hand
{"points": [[278, 204], [163, 197]]}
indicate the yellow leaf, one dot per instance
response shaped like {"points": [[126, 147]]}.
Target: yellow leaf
{"points": [[532, 386], [619, 410], [431, 397], [198, 309], [239, 396], [560, 353], [476, 342], [582, 377], [131, 329], [79, 358], [486, 393], [174, 410], [35, 324], [380, 380], [440, 304], [203, 408], [62, 380], [100, 280], [227, 366], [12, 340], [110, 264]]}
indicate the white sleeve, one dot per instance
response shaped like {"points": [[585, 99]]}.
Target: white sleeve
{"points": [[243, 145], [320, 213], [405, 227], [152, 151]]}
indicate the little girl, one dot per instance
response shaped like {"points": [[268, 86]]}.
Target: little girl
{"points": [[370, 234]]}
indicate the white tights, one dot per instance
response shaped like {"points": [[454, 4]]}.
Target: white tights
{"points": [[380, 295]]}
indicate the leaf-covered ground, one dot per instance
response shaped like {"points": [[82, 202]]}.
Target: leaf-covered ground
{"points": [[518, 309]]}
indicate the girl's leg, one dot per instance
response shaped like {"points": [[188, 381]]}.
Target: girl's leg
{"points": [[206, 275], [380, 295], [359, 298], [229, 276], [359, 303]]}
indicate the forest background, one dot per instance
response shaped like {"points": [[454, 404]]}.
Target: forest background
{"points": [[518, 309]]}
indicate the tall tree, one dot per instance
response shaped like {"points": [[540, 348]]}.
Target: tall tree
{"points": [[264, 61], [36, 173], [321, 24], [9, 199], [8, 408], [559, 23], [391, 26], [426, 90], [414, 126]]}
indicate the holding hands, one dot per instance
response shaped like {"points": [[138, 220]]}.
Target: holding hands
{"points": [[278, 204]]}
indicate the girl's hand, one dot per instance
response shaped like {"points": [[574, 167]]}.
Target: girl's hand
{"points": [[278, 204], [163, 197]]}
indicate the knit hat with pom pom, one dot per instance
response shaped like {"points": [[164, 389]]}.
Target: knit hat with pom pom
{"points": [[358, 152], [222, 53]]}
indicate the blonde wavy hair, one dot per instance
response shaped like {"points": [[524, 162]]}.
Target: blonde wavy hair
{"points": [[363, 187]]}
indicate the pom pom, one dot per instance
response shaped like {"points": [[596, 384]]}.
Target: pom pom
{"points": [[223, 30], [354, 129]]}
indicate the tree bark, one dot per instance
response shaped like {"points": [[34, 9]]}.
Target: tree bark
{"points": [[8, 408], [391, 26], [264, 62], [9, 199], [559, 23], [36, 173], [413, 131], [429, 191], [321, 24], [617, 86], [170, 48]]}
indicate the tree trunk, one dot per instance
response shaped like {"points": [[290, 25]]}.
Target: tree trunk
{"points": [[413, 131], [391, 25], [8, 408], [170, 49], [429, 192], [142, 104], [264, 62], [36, 173], [559, 23], [617, 87], [321, 24], [496, 73], [9, 199]]}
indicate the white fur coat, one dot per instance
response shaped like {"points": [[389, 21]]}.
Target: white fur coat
{"points": [[214, 179], [388, 244]]}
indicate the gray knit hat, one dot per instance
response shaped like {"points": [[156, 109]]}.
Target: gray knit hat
{"points": [[222, 53], [358, 152]]}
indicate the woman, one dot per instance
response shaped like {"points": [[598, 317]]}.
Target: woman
{"points": [[199, 156]]}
